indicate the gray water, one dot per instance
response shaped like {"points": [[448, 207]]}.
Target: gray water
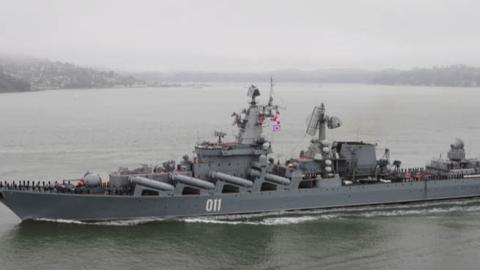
{"points": [[53, 135]]}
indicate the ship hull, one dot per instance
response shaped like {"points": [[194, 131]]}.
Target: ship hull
{"points": [[49, 205]]}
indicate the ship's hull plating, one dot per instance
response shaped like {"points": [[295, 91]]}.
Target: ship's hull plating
{"points": [[36, 205]]}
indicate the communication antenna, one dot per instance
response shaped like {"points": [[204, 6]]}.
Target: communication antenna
{"points": [[253, 92], [386, 154], [270, 99], [319, 121], [220, 135]]}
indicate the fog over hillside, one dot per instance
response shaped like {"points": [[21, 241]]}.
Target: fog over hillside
{"points": [[12, 84], [244, 36], [25, 74], [454, 75], [152, 43]]}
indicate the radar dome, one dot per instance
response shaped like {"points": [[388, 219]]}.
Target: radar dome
{"points": [[458, 144], [92, 179]]}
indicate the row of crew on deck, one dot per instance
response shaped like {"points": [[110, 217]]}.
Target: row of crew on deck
{"points": [[34, 185]]}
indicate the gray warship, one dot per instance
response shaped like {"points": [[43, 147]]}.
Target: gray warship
{"points": [[241, 177]]}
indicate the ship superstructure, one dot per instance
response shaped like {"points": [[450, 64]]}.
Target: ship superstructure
{"points": [[456, 162]]}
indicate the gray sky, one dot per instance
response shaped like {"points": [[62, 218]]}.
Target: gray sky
{"points": [[243, 35]]}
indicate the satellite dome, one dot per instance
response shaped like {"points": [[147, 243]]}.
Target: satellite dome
{"points": [[458, 144], [92, 179]]}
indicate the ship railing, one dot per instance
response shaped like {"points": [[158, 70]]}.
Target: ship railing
{"points": [[27, 185], [419, 174], [61, 187]]}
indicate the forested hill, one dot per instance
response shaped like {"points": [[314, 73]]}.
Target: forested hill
{"points": [[43, 74], [457, 75], [12, 84], [25, 74]]}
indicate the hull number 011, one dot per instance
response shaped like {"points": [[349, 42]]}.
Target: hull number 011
{"points": [[213, 205]]}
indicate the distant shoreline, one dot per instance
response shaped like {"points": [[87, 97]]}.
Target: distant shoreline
{"points": [[175, 85], [203, 85], [29, 74]]}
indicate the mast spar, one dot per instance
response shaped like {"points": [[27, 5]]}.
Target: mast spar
{"points": [[270, 99]]}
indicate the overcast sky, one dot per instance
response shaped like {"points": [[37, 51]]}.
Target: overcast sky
{"points": [[243, 35]]}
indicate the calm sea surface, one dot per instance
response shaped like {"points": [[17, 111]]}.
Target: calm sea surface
{"points": [[53, 135]]}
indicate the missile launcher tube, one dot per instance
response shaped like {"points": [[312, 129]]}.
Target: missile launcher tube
{"points": [[151, 183], [193, 181], [272, 177], [231, 179]]}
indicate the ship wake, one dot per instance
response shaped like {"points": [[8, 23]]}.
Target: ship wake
{"points": [[125, 222], [429, 209]]}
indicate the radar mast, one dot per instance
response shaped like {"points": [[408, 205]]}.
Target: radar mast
{"points": [[319, 121], [270, 98], [250, 121]]}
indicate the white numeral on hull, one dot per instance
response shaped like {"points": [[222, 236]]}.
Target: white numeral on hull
{"points": [[213, 205]]}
